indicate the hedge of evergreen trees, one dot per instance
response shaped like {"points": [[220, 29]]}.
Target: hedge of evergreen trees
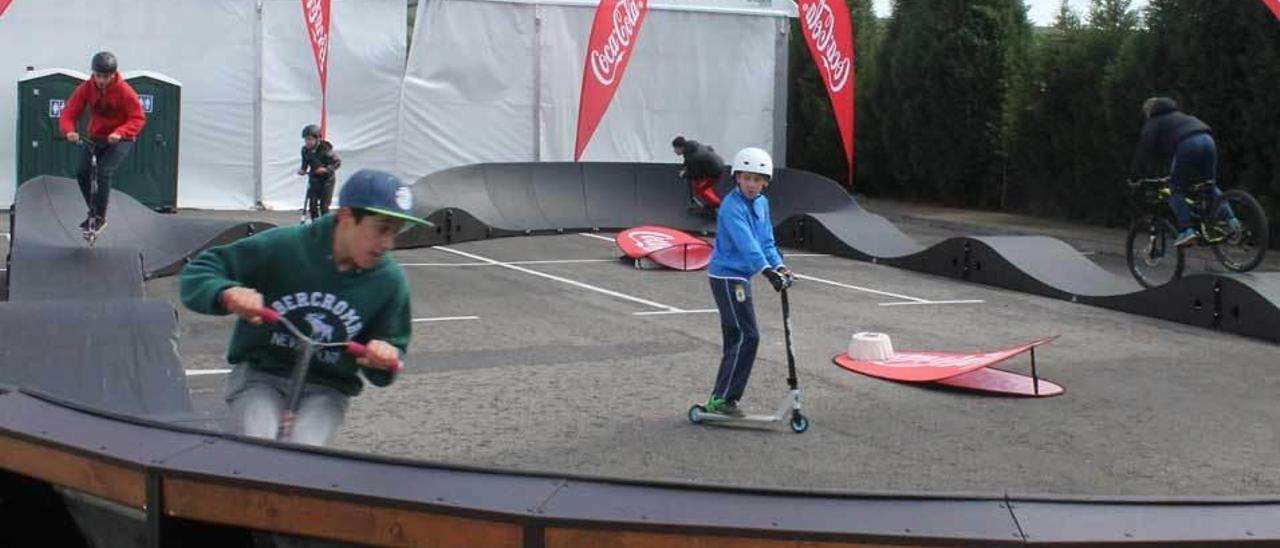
{"points": [[964, 103]]}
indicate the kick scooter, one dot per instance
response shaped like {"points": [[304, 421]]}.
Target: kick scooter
{"points": [[299, 377], [90, 232], [799, 423]]}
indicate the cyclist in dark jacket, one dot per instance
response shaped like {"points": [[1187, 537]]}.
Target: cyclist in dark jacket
{"points": [[702, 168], [1169, 134]]}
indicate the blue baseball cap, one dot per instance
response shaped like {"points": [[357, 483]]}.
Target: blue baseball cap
{"points": [[381, 193]]}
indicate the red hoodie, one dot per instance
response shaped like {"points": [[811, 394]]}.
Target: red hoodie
{"points": [[115, 109]]}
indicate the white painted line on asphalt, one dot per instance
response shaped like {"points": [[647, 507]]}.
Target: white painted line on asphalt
{"points": [[201, 372], [611, 240], [909, 303], [856, 288], [446, 319], [550, 261], [907, 300], [574, 283], [566, 261], [668, 312]]}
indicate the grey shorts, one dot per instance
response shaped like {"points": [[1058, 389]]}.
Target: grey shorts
{"points": [[257, 401]]}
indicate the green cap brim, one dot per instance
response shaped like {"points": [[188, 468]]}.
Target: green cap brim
{"points": [[399, 215]]}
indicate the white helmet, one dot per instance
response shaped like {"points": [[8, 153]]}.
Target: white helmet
{"points": [[753, 160]]}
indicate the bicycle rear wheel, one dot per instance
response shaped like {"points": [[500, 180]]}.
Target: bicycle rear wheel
{"points": [[1243, 250], [1152, 257]]}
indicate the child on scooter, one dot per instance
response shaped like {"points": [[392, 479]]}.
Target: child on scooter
{"points": [[333, 275], [320, 162], [744, 247]]}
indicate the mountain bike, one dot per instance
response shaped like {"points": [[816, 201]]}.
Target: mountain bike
{"points": [[1149, 249]]}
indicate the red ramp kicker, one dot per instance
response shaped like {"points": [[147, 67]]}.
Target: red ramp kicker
{"points": [[659, 245], [967, 370]]}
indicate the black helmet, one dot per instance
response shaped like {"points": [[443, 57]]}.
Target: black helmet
{"points": [[678, 142], [311, 130], [104, 62]]}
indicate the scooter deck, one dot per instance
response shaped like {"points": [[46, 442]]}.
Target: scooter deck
{"points": [[709, 416]]}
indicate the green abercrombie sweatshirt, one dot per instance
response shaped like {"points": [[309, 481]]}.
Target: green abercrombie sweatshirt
{"points": [[294, 270]]}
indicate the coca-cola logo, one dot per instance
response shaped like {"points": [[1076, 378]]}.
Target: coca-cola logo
{"points": [[651, 241], [316, 25], [606, 58], [820, 23]]}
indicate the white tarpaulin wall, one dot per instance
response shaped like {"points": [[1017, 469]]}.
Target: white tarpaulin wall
{"points": [[366, 61], [208, 46], [238, 144], [712, 70]]}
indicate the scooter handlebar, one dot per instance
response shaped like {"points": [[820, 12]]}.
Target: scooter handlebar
{"points": [[269, 315], [354, 348], [359, 350], [83, 141]]}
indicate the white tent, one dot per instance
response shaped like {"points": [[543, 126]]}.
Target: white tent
{"points": [[712, 70], [249, 83], [499, 80], [366, 63]]}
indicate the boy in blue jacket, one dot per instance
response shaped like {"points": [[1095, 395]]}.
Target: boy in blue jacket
{"points": [[744, 248]]}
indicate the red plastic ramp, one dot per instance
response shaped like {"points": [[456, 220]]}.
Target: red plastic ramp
{"points": [[998, 381], [928, 366], [665, 246]]}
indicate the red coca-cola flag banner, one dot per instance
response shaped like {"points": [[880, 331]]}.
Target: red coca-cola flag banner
{"points": [[4, 5], [613, 37], [828, 30], [316, 15], [1273, 4]]}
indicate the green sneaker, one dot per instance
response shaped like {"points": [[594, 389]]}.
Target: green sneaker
{"points": [[1185, 238], [721, 407]]}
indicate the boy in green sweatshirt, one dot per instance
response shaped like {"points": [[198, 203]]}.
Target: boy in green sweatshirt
{"points": [[332, 275]]}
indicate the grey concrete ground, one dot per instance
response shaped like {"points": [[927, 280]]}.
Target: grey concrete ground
{"points": [[556, 376], [561, 374]]}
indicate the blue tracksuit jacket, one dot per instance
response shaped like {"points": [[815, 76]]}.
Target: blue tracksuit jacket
{"points": [[744, 238]]}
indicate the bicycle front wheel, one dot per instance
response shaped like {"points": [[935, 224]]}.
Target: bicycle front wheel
{"points": [[1149, 249], [1242, 249]]}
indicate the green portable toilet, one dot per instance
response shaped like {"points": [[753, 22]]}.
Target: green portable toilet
{"points": [[150, 172], [41, 96]]}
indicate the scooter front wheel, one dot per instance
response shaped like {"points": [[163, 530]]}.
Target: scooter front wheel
{"points": [[799, 423], [695, 414]]}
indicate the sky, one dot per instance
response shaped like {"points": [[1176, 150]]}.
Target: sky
{"points": [[1040, 12]]}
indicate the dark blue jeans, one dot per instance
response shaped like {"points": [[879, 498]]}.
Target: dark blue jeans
{"points": [[319, 196], [109, 159], [741, 337], [1195, 161]]}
